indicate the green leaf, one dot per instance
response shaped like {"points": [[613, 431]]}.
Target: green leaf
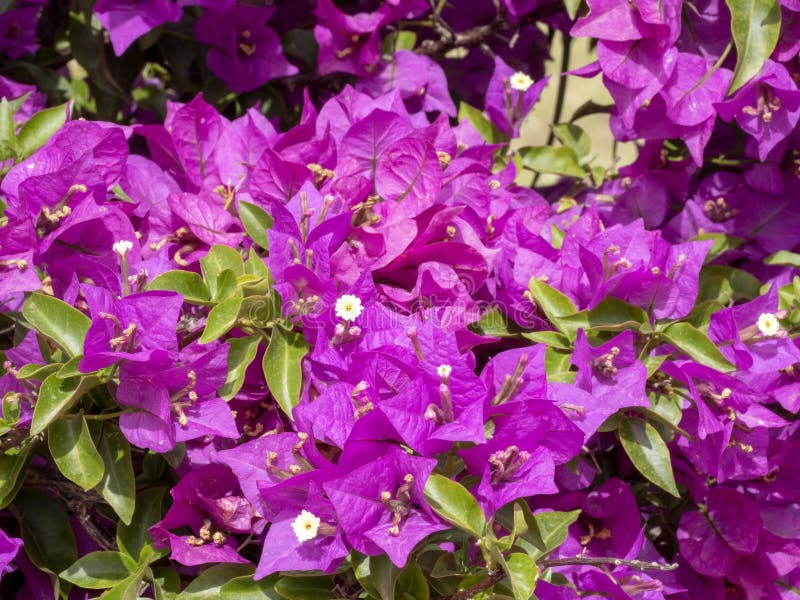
{"points": [[382, 576], [697, 345], [549, 159], [117, 485], [256, 221], [611, 314], [99, 570], [221, 319], [648, 453], [494, 323], [783, 257], [56, 397], [8, 134], [70, 368], [755, 25], [65, 325], [40, 128], [453, 502], [550, 338], [304, 588], [259, 311], [132, 538], [575, 138], [127, 589], [523, 573], [398, 40], [412, 585], [167, 583], [246, 588], [241, 354], [186, 283], [209, 583], [12, 463], [73, 450], [726, 285], [37, 372], [282, 367], [484, 126], [218, 259], [722, 243], [553, 303], [544, 531], [46, 531]]}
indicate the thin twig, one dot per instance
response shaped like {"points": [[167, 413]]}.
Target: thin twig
{"points": [[639, 565]]}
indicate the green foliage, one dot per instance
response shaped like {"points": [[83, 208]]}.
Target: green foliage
{"points": [[74, 452], [56, 319], [755, 26], [648, 453], [451, 501], [282, 369]]}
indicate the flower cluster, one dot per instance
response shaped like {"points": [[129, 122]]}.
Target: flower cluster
{"points": [[356, 356]]}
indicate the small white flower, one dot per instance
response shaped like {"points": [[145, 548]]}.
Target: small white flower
{"points": [[122, 247], [305, 526], [521, 81], [444, 371], [768, 324], [348, 307]]}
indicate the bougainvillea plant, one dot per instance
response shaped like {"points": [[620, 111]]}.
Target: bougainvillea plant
{"points": [[283, 316]]}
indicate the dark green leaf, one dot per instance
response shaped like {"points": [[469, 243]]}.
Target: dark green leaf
{"points": [[12, 463], [256, 221], [56, 397], [383, 576], [648, 453], [117, 486], [495, 323], [726, 285], [697, 345], [241, 354], [132, 538], [186, 283], [99, 570], [209, 583], [74, 453], [65, 325], [40, 128], [246, 588], [412, 585], [755, 25], [46, 530], [282, 367], [128, 588], [548, 159], [304, 588], [453, 502], [221, 319]]}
